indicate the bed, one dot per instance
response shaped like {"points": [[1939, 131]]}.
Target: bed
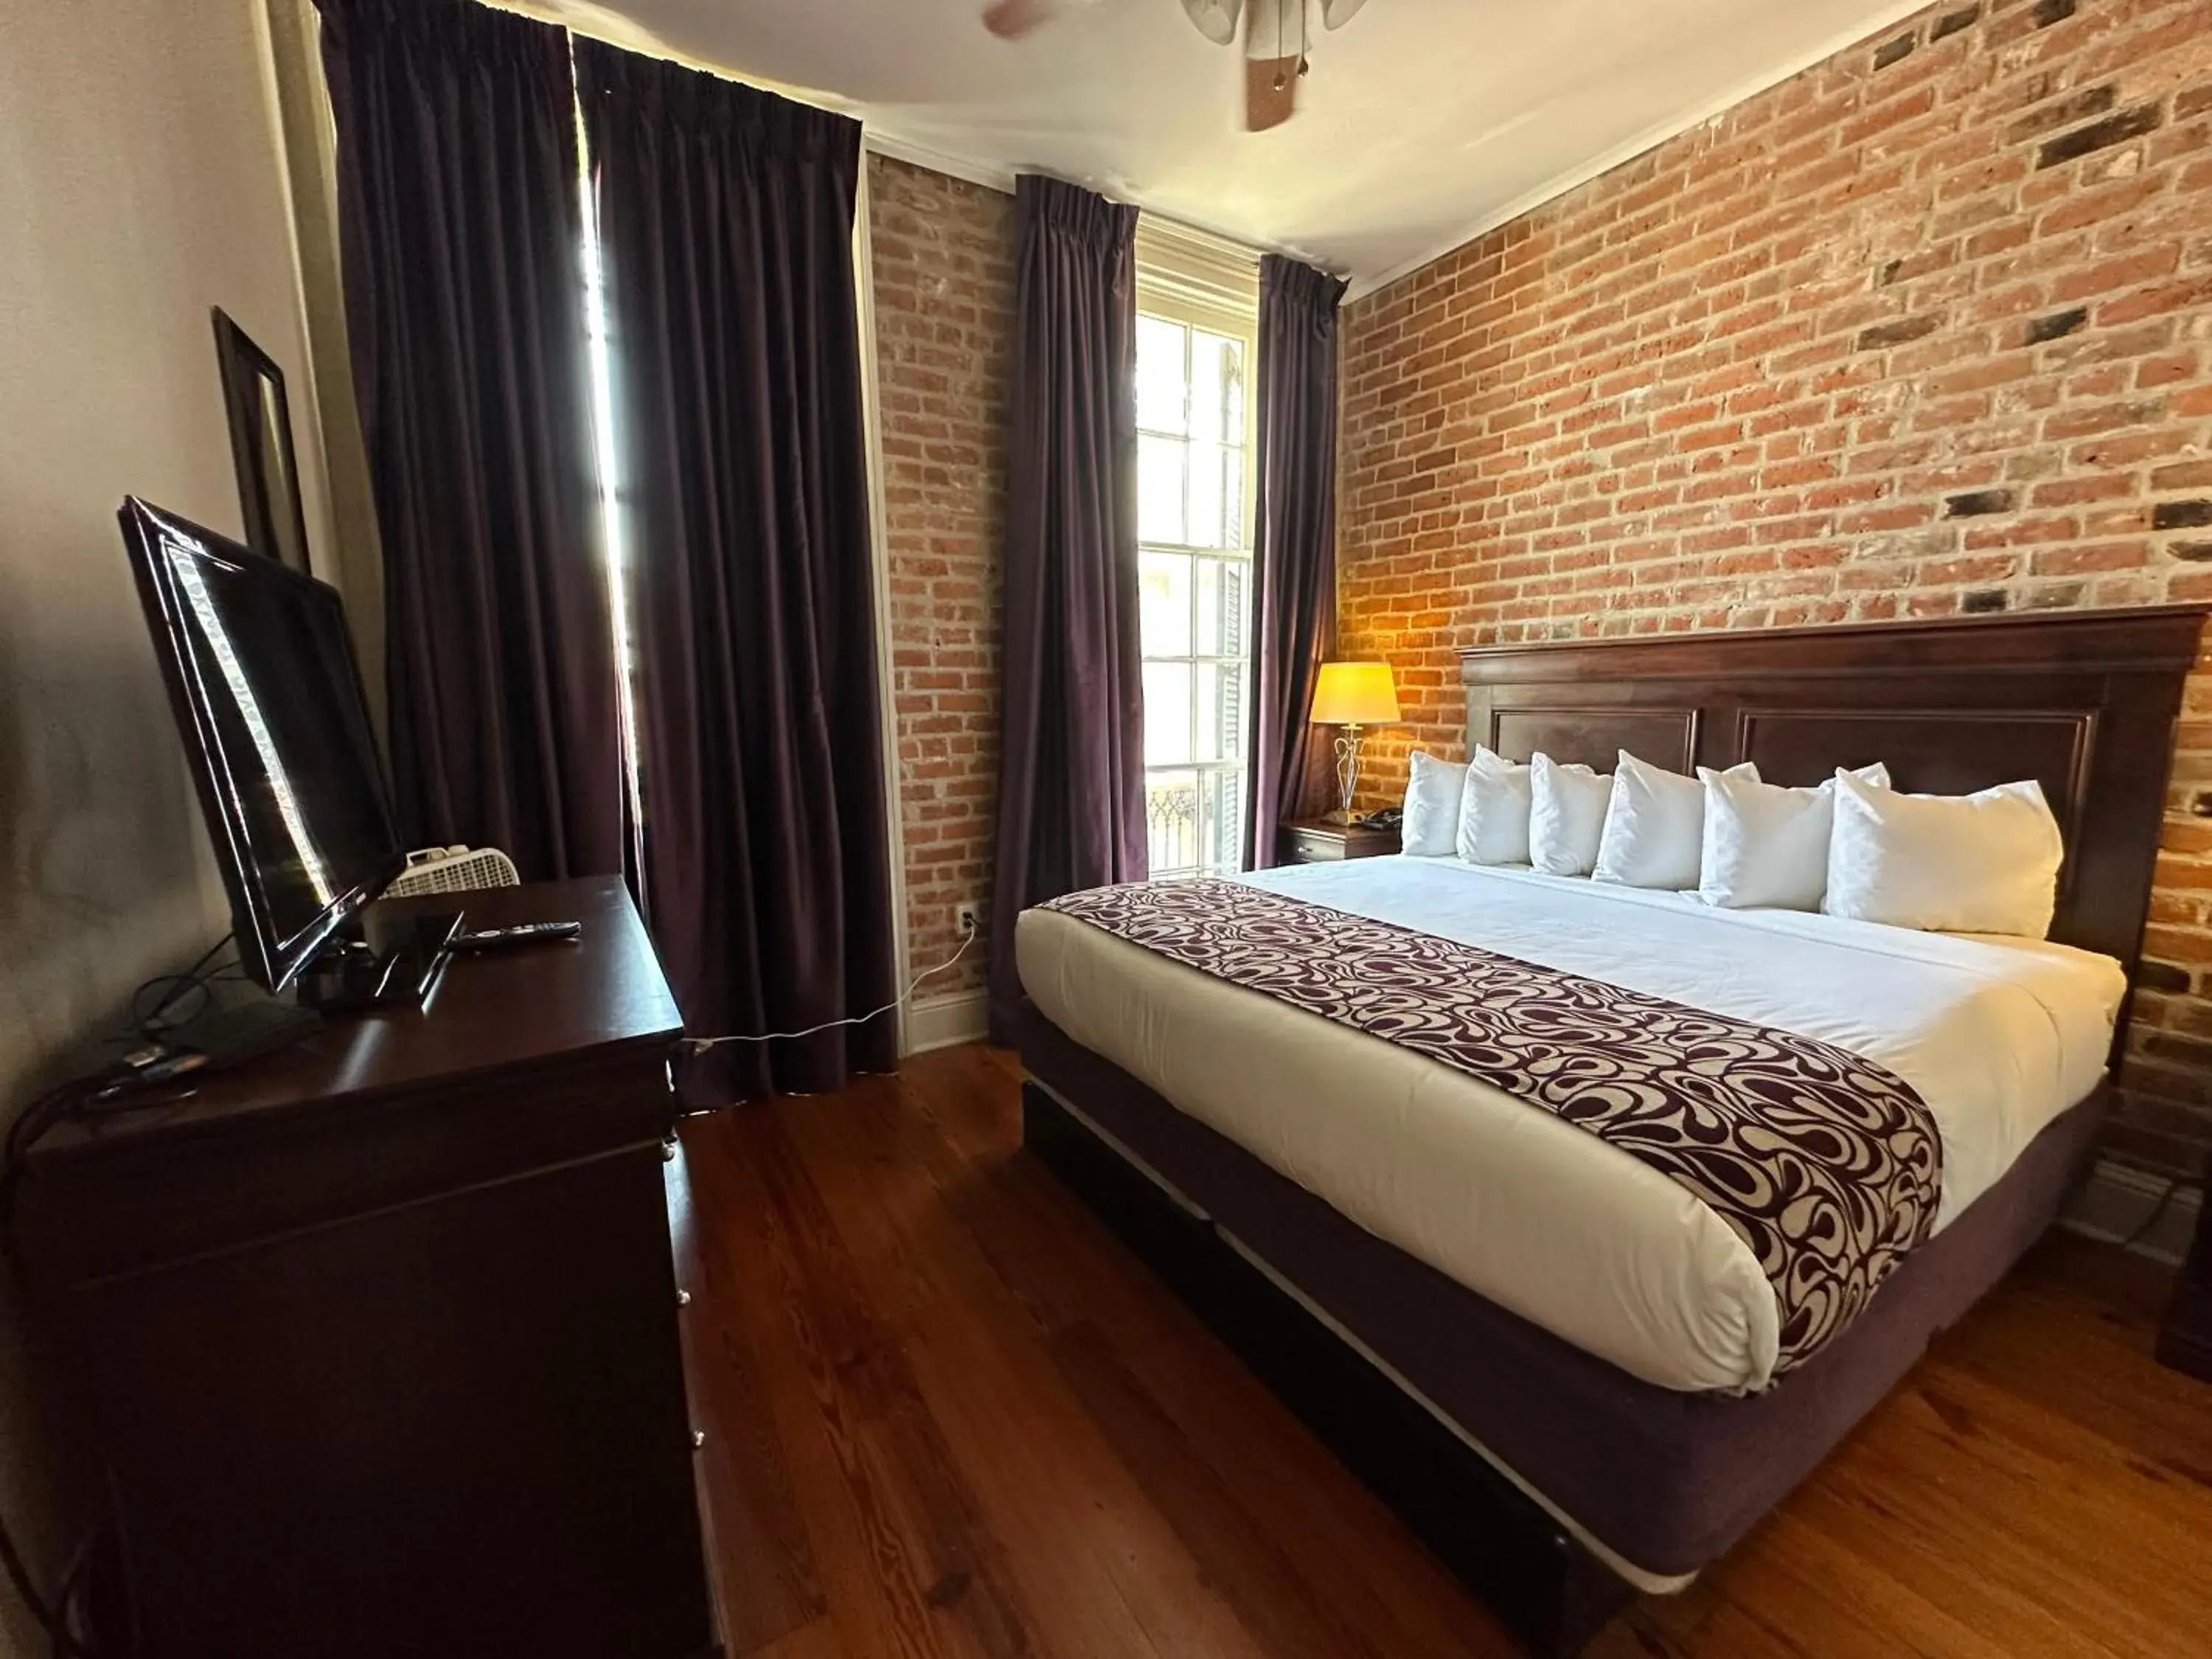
{"points": [[1559, 1365]]}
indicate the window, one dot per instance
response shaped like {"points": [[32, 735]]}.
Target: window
{"points": [[1194, 535], [598, 344]]}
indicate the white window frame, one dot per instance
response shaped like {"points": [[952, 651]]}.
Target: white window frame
{"points": [[1201, 282]]}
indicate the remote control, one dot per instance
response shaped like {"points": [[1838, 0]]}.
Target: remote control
{"points": [[527, 933]]}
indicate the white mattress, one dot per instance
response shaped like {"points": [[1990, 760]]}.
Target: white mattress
{"points": [[1998, 1036]]}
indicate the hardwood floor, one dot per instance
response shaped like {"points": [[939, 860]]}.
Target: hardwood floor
{"points": [[947, 1414]]}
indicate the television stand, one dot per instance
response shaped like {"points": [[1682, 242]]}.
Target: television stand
{"points": [[386, 957], [379, 1335]]}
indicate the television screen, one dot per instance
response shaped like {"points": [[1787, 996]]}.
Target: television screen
{"points": [[268, 696]]}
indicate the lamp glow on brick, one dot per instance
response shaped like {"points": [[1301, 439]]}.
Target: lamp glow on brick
{"points": [[1352, 695]]}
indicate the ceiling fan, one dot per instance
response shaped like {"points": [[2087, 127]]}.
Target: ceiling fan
{"points": [[1276, 37]]}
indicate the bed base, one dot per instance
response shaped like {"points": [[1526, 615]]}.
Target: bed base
{"points": [[1543, 1585]]}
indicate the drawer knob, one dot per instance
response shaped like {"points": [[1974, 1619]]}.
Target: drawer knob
{"points": [[698, 1438], [683, 1299], [668, 1151]]}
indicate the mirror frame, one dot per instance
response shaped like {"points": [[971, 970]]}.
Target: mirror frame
{"points": [[246, 369]]}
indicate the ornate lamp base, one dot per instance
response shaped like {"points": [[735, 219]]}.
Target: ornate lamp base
{"points": [[1348, 776]]}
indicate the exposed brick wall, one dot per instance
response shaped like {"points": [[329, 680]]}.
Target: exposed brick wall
{"points": [[1927, 328], [944, 276]]}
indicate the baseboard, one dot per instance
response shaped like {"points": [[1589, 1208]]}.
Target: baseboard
{"points": [[2118, 1200], [940, 1022]]}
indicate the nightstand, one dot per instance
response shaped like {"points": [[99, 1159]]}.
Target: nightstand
{"points": [[1317, 840]]}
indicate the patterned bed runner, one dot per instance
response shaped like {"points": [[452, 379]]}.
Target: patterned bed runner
{"points": [[1828, 1166]]}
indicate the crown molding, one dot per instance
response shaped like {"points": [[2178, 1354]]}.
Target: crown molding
{"points": [[1214, 274], [1169, 228], [1220, 258], [876, 140]]}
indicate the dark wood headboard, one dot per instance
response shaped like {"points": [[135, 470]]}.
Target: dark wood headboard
{"points": [[2082, 701]]}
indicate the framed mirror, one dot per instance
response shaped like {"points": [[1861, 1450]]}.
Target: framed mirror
{"points": [[261, 446]]}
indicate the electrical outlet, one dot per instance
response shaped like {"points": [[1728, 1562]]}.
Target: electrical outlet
{"points": [[969, 918]]}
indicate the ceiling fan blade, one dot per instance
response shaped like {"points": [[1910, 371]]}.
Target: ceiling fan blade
{"points": [[1335, 14], [1216, 19], [1010, 20]]}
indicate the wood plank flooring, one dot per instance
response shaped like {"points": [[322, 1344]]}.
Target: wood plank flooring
{"points": [[947, 1415]]}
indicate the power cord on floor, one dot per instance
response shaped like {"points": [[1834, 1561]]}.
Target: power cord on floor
{"points": [[701, 1045], [149, 1020]]}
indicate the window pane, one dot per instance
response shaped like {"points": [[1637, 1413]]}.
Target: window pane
{"points": [[1167, 713], [1209, 609], [1237, 533], [1207, 516], [1219, 691], [1222, 587], [1160, 406], [1232, 391], [1194, 614], [1221, 818], [1160, 489], [1217, 387], [1171, 821], [1164, 604]]}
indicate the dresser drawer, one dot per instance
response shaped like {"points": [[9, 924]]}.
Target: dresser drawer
{"points": [[1316, 840]]}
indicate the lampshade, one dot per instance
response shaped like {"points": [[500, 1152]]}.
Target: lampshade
{"points": [[1354, 694]]}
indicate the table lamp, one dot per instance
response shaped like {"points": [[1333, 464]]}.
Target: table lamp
{"points": [[1352, 695]]}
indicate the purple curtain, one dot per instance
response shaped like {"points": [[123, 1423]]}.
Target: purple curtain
{"points": [[726, 223], [458, 223], [1294, 567], [1072, 780]]}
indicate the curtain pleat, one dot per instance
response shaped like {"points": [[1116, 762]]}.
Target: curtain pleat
{"points": [[1071, 778], [1294, 566], [459, 228], [726, 220]]}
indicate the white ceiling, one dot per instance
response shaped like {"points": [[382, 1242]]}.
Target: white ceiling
{"points": [[1423, 121]]}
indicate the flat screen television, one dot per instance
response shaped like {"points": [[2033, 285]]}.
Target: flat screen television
{"points": [[268, 696]]}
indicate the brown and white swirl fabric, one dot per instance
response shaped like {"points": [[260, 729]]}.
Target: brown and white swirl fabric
{"points": [[1828, 1166]]}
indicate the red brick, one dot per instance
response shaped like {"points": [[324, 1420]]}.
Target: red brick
{"points": [[1604, 404], [943, 275]]}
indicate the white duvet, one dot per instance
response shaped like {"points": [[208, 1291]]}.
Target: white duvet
{"points": [[1997, 1036]]}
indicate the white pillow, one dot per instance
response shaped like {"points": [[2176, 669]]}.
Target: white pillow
{"points": [[1983, 863], [1493, 811], [1654, 826], [1432, 792], [1766, 847], [1566, 815]]}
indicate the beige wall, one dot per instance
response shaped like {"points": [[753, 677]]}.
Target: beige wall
{"points": [[141, 183]]}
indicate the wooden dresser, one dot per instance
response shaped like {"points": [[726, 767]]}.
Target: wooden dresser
{"points": [[379, 1334]]}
